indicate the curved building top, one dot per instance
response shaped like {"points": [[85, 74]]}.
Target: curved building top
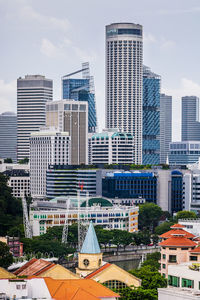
{"points": [[123, 29]]}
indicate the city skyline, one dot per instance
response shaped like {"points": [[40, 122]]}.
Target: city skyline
{"points": [[42, 48]]}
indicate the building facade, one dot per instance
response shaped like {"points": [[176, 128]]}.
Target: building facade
{"points": [[82, 89], [124, 71], [19, 181], [165, 126], [45, 214], [190, 119], [184, 153], [130, 185], [8, 136], [111, 147], [71, 116], [46, 147], [33, 92], [176, 191], [151, 118], [64, 181]]}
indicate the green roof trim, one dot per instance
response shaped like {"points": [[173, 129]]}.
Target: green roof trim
{"points": [[101, 201]]}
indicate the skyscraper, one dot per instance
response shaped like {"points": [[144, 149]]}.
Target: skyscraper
{"points": [[82, 89], [124, 71], [165, 126], [33, 92], [190, 119], [8, 136], [151, 117], [71, 116]]}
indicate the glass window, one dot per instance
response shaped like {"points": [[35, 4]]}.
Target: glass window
{"points": [[164, 266], [174, 281], [74, 106], [82, 107], [164, 256], [187, 283], [67, 106], [194, 258], [115, 284], [172, 258]]}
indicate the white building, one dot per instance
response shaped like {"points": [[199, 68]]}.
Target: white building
{"points": [[124, 77], [71, 116], [172, 293], [45, 214], [111, 147], [46, 147], [19, 181], [191, 191], [192, 225], [33, 92]]}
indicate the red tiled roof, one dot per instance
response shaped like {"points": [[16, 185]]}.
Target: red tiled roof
{"points": [[177, 226], [34, 267], [98, 271], [173, 232], [178, 242], [196, 250]]}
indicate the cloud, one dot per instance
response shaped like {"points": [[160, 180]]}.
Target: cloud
{"points": [[65, 49], [149, 38], [161, 42], [8, 96]]}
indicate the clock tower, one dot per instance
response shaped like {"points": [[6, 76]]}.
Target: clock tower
{"points": [[90, 256]]}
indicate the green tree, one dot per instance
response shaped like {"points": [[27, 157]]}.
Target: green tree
{"points": [[8, 161], [185, 215], [137, 238], [138, 294], [164, 227], [149, 215], [17, 231], [23, 161], [6, 258], [104, 236]]}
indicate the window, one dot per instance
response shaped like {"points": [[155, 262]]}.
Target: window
{"points": [[194, 258], [18, 287], [164, 256], [174, 281], [164, 266], [115, 284], [187, 283], [172, 258], [172, 248]]}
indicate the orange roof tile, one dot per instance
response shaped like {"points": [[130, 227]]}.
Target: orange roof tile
{"points": [[98, 271], [34, 267], [177, 226], [59, 289], [178, 242], [196, 250], [173, 232]]}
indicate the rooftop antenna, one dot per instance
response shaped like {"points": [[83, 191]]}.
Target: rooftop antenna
{"points": [[27, 226]]}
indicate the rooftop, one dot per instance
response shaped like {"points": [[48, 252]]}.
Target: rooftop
{"points": [[178, 242], [90, 244], [177, 232]]}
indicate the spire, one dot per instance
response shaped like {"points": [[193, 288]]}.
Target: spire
{"points": [[90, 244]]}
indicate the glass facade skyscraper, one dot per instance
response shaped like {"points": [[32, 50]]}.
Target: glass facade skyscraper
{"points": [[190, 119], [151, 117], [124, 61], [82, 90]]}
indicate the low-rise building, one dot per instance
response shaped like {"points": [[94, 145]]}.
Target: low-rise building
{"points": [[184, 153], [172, 293], [45, 214], [191, 225], [19, 181]]}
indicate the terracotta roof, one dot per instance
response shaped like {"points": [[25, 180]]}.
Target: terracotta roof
{"points": [[98, 271], [75, 289], [173, 232], [178, 242], [177, 226], [34, 267], [196, 250]]}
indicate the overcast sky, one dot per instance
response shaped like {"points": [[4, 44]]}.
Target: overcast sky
{"points": [[53, 38]]}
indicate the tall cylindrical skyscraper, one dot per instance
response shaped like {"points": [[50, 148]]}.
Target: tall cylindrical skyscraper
{"points": [[124, 73]]}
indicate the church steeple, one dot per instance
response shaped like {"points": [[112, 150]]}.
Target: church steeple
{"points": [[90, 244], [90, 256]]}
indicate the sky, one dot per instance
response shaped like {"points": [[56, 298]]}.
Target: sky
{"points": [[53, 38]]}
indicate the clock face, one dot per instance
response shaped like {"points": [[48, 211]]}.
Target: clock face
{"points": [[86, 262]]}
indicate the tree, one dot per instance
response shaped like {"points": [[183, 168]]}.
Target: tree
{"points": [[104, 236], [164, 227], [8, 161], [6, 258], [137, 238], [185, 215], [138, 294], [23, 161], [149, 215], [151, 278]]}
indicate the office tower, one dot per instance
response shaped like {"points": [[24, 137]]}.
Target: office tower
{"points": [[111, 147], [71, 116], [8, 136], [48, 146], [82, 89], [184, 153], [165, 126], [190, 119], [33, 92], [124, 71], [151, 117]]}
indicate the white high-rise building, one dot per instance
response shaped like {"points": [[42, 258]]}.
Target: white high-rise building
{"points": [[33, 92], [111, 147], [165, 126], [48, 146], [124, 76], [71, 116]]}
